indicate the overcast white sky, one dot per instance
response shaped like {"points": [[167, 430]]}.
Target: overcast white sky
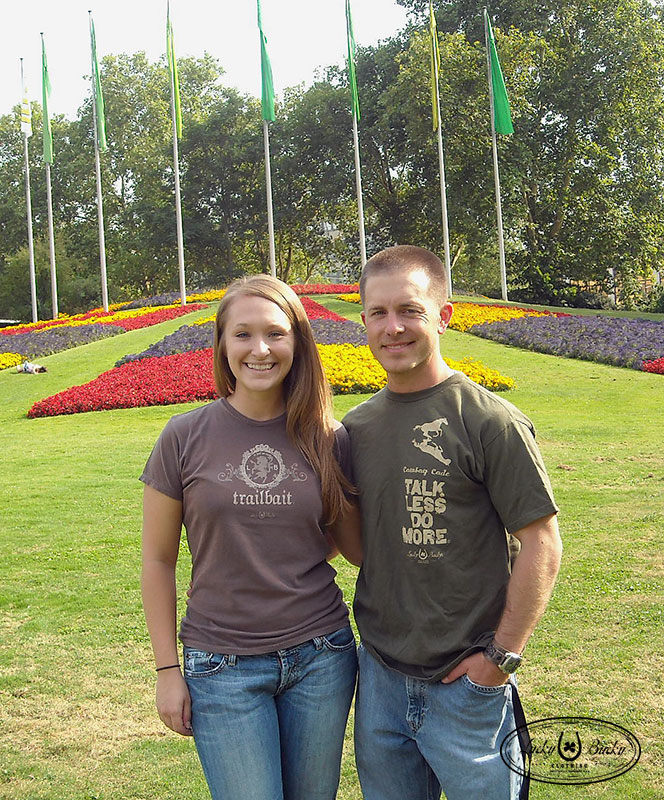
{"points": [[302, 35]]}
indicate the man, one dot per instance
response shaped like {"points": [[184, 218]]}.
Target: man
{"points": [[444, 469]]}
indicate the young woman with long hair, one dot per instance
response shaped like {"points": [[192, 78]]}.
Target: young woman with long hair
{"points": [[258, 479]]}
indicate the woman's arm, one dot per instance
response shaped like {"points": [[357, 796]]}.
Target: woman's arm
{"points": [[162, 523], [345, 532]]}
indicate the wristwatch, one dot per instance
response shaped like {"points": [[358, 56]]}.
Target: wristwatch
{"points": [[506, 661]]}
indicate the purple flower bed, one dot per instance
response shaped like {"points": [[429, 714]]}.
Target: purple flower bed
{"points": [[166, 299], [184, 339], [331, 331], [607, 340], [198, 337], [52, 340]]}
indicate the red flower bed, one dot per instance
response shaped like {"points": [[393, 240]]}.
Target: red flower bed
{"points": [[325, 288], [145, 320], [317, 311], [181, 378], [656, 366]]}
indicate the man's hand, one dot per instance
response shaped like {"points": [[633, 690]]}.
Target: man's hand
{"points": [[479, 670], [173, 702]]}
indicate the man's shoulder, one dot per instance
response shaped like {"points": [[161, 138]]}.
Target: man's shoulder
{"points": [[364, 412], [478, 399]]}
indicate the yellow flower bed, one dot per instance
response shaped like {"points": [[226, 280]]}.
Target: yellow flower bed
{"points": [[350, 298], [468, 314], [10, 360], [206, 297], [353, 370]]}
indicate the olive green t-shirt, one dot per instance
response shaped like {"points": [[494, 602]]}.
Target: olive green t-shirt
{"points": [[442, 474]]}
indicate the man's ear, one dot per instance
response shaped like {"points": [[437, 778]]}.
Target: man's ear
{"points": [[363, 317], [445, 316]]}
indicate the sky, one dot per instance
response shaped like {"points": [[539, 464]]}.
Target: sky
{"points": [[302, 36]]}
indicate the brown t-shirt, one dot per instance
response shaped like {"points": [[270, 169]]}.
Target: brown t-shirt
{"points": [[251, 506]]}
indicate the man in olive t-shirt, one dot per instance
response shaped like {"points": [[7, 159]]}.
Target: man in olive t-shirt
{"points": [[445, 471]]}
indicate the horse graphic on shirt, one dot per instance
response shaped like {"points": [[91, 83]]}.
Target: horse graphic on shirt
{"points": [[429, 439]]}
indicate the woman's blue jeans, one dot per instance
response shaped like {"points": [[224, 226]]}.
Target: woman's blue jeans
{"points": [[271, 727]]}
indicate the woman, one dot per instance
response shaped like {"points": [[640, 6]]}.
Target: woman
{"points": [[269, 657]]}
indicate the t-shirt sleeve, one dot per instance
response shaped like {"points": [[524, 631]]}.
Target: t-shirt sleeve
{"points": [[342, 452], [516, 477], [162, 470]]}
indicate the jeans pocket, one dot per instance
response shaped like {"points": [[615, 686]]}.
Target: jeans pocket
{"points": [[483, 690], [340, 640], [202, 664]]}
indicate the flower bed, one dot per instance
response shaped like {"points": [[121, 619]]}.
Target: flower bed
{"points": [[607, 340], [656, 366], [34, 344], [467, 315], [10, 360], [323, 288]]}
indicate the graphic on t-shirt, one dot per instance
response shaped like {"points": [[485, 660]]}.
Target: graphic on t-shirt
{"points": [[262, 468], [431, 431]]}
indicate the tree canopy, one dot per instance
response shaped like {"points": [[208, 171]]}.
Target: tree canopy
{"points": [[582, 176]]}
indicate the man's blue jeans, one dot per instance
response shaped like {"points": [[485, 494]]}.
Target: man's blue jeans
{"points": [[414, 737], [271, 727]]}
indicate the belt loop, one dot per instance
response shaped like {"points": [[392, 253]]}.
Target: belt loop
{"points": [[318, 642], [231, 660]]}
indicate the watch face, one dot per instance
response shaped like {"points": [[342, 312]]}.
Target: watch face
{"points": [[510, 663]]}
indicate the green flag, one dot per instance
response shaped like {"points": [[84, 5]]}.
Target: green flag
{"points": [[352, 78], [46, 119], [434, 52], [98, 95], [173, 70], [502, 118], [267, 88]]}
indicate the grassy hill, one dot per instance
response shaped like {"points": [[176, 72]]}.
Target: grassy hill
{"points": [[76, 671]]}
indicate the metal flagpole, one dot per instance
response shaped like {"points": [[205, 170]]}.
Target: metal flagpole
{"points": [[443, 190], [496, 175], [268, 189], [100, 205], [51, 242], [28, 200], [358, 189], [176, 172], [48, 157]]}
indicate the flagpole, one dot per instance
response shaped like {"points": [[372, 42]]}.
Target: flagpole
{"points": [[268, 190], [358, 189], [100, 204], [28, 203], [49, 198], [51, 243], [441, 169], [496, 175], [176, 170]]}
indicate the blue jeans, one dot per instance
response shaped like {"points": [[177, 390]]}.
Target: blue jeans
{"points": [[271, 727], [414, 738]]}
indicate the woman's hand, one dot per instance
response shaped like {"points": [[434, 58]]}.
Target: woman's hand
{"points": [[173, 701]]}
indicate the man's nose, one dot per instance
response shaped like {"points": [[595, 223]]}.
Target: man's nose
{"points": [[394, 324]]}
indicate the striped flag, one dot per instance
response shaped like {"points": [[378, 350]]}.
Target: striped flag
{"points": [[435, 66], [98, 95], [352, 78], [267, 86], [173, 70], [26, 114], [46, 119]]}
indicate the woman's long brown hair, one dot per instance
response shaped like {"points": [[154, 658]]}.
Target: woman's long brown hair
{"points": [[307, 395]]}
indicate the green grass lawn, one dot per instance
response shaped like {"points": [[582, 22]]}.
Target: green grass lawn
{"points": [[76, 671]]}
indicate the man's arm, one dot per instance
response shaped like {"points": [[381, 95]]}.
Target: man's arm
{"points": [[528, 592], [345, 533]]}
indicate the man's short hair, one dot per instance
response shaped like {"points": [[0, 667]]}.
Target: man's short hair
{"points": [[404, 258]]}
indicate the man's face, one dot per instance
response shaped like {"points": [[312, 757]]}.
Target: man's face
{"points": [[403, 321]]}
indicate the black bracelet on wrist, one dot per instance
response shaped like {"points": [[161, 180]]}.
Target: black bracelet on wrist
{"points": [[170, 666]]}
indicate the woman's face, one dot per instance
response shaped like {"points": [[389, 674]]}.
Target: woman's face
{"points": [[260, 345]]}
